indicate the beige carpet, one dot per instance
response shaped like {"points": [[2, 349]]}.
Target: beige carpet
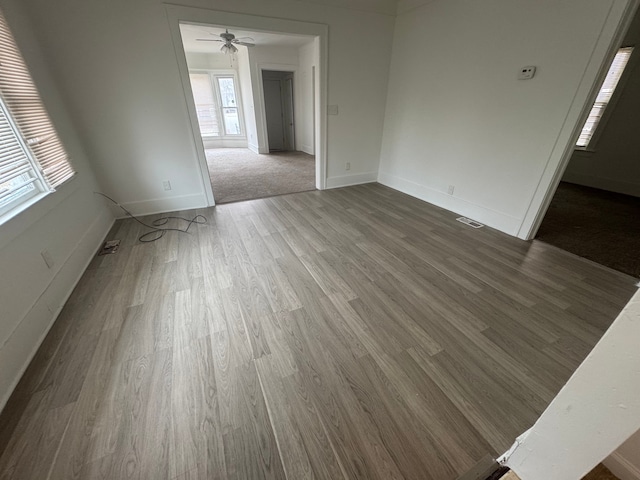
{"points": [[239, 174]]}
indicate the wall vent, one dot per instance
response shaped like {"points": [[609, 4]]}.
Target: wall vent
{"points": [[471, 223]]}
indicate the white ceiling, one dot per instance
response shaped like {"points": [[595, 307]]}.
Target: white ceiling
{"points": [[190, 34]]}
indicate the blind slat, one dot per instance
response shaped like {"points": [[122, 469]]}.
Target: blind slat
{"points": [[21, 98], [604, 95]]}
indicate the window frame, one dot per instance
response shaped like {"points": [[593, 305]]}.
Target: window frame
{"points": [[214, 74], [610, 107], [54, 156], [41, 186]]}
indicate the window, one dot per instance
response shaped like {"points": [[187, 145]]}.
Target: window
{"points": [[32, 158], [604, 96], [216, 99]]}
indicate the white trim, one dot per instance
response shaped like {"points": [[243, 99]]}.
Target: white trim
{"points": [[35, 325], [354, 179], [493, 218], [218, 142], [621, 467], [162, 205], [254, 148], [611, 35], [179, 13]]}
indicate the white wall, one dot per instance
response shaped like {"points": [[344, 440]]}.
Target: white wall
{"points": [[116, 65], [457, 115], [307, 60], [211, 61], [613, 164], [625, 461], [70, 224], [594, 413]]}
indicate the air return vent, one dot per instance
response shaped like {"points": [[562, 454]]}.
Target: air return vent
{"points": [[471, 223]]}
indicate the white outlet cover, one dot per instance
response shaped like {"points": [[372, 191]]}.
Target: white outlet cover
{"points": [[526, 73]]}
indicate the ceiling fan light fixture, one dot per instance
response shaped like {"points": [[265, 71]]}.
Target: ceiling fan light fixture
{"points": [[228, 49]]}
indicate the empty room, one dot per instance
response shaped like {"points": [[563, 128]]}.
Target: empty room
{"points": [[397, 319]]}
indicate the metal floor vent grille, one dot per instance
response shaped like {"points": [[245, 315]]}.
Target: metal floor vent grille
{"points": [[471, 223]]}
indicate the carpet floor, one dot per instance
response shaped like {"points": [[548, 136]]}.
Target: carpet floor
{"points": [[595, 224], [240, 174]]}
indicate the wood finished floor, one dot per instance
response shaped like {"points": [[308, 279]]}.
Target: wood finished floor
{"points": [[355, 333]]}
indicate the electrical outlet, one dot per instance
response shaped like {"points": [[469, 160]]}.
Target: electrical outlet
{"points": [[348, 166], [167, 185], [526, 73], [48, 259], [451, 189]]}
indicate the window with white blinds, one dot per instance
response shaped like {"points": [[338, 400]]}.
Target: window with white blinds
{"points": [[604, 96], [32, 157]]}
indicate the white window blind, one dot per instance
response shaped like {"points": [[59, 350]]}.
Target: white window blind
{"points": [[206, 108], [19, 180], [604, 95], [30, 144]]}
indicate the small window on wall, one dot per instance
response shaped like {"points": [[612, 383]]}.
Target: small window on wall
{"points": [[33, 161], [217, 106], [604, 96]]}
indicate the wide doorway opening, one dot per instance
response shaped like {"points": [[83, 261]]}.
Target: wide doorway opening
{"points": [[255, 103], [595, 210]]}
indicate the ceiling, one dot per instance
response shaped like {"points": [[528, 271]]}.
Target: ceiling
{"points": [[192, 32]]}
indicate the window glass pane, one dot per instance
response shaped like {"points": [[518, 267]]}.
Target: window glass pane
{"points": [[231, 121], [203, 97], [227, 91]]}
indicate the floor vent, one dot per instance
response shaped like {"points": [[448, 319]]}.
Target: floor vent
{"points": [[471, 223], [109, 247]]}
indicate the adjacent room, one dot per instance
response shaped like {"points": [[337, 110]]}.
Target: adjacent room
{"points": [[254, 102], [594, 213], [300, 239]]}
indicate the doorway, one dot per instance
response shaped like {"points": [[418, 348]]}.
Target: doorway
{"points": [[308, 43], [279, 110], [594, 210]]}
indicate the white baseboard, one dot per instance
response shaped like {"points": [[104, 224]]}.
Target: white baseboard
{"points": [[254, 148], [163, 205], [621, 467], [498, 220], [308, 149], [610, 184], [22, 344], [348, 180], [225, 143]]}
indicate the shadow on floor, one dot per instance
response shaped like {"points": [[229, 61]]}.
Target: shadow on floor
{"points": [[599, 225]]}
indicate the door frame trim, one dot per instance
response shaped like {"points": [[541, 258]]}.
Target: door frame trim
{"points": [[276, 67], [177, 14]]}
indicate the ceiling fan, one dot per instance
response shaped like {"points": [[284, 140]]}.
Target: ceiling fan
{"points": [[229, 39]]}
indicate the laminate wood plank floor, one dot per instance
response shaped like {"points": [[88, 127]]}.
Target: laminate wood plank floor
{"points": [[355, 333]]}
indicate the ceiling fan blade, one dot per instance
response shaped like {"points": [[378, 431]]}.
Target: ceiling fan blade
{"points": [[245, 39], [246, 44], [208, 40]]}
